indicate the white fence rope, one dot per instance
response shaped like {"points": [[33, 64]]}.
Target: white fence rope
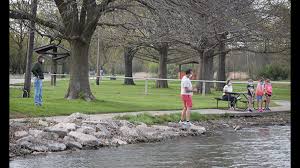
{"points": [[211, 81], [156, 79]]}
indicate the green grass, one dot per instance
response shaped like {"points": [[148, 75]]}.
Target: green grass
{"points": [[113, 96], [160, 119]]}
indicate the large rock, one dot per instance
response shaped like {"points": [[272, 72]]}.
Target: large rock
{"points": [[17, 124], [102, 132], [38, 148], [129, 132], [74, 144], [35, 132], [90, 122], [20, 134], [86, 129], [174, 125], [28, 138], [109, 123], [71, 143], [24, 151], [84, 139], [163, 128], [49, 136], [118, 141], [165, 131], [62, 128], [56, 146], [43, 123], [197, 129], [121, 123], [75, 117], [67, 126], [148, 133], [34, 146]]}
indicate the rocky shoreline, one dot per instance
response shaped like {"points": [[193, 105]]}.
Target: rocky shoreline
{"points": [[79, 132]]}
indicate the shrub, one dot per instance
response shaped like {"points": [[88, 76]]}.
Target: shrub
{"points": [[274, 72], [153, 68]]}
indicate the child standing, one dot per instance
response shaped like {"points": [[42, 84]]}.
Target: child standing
{"points": [[268, 93], [250, 95], [259, 94]]}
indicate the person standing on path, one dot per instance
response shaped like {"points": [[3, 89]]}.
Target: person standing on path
{"points": [[268, 94], [37, 71], [186, 97], [250, 95], [259, 94]]}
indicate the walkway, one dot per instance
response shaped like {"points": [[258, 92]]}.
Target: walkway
{"points": [[284, 106]]}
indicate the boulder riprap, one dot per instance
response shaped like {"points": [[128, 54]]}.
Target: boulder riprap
{"points": [[79, 131]]}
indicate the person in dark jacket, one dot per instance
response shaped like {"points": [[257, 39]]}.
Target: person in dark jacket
{"points": [[37, 71]]}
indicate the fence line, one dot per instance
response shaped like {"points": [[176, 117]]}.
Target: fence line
{"points": [[208, 81], [156, 79]]}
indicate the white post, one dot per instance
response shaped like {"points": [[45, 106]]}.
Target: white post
{"points": [[146, 86], [203, 89]]}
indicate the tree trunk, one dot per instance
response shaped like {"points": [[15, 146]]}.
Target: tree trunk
{"points": [[98, 61], [200, 72], [221, 76], [20, 59], [27, 82], [162, 71], [205, 71], [79, 86], [24, 62], [63, 69], [128, 57], [54, 68], [209, 70]]}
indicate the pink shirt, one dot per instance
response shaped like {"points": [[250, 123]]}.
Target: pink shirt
{"points": [[268, 88], [259, 89]]}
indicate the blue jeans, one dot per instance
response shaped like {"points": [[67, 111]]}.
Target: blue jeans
{"points": [[259, 98], [38, 91]]}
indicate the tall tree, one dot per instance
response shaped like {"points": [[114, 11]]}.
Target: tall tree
{"points": [[221, 74], [27, 82], [77, 23], [18, 32], [129, 53]]}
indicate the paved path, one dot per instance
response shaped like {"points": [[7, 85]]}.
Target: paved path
{"points": [[284, 106], [19, 79]]}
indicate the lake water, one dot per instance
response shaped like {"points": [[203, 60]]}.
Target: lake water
{"points": [[267, 146]]}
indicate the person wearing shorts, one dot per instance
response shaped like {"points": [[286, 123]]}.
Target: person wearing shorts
{"points": [[259, 94], [268, 94], [186, 97]]}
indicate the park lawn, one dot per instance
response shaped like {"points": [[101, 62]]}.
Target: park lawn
{"points": [[113, 96]]}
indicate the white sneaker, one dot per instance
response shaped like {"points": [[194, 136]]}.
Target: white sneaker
{"points": [[180, 122]]}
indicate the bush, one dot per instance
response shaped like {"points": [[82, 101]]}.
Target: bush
{"points": [[274, 72], [153, 67], [172, 71]]}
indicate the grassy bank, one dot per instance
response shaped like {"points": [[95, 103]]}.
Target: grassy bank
{"points": [[160, 119], [113, 96]]}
